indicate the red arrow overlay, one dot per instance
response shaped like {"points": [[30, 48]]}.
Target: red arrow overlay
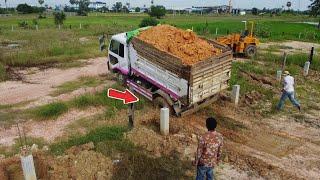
{"points": [[127, 96]]}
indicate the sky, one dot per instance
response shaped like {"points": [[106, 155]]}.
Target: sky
{"points": [[180, 4]]}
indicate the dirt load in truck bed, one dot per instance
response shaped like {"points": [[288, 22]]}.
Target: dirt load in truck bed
{"points": [[185, 45]]}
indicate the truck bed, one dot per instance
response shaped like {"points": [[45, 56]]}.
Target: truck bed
{"points": [[205, 78]]}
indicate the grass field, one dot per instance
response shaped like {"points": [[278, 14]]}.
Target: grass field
{"points": [[52, 45]]}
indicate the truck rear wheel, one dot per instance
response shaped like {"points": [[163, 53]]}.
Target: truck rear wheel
{"points": [[160, 102], [250, 51]]}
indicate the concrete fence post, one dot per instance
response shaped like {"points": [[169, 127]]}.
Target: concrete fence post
{"points": [[164, 121], [80, 26], [59, 26], [279, 74], [236, 94], [11, 28], [306, 68], [216, 31], [28, 167], [37, 27]]}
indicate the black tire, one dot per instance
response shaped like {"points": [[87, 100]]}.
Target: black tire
{"points": [[160, 102], [250, 51]]}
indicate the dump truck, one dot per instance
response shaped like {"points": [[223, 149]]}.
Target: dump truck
{"points": [[162, 77]]}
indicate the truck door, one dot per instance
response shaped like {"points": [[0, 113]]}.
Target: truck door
{"points": [[117, 56]]}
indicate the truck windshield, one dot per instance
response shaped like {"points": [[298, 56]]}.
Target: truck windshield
{"points": [[117, 48]]}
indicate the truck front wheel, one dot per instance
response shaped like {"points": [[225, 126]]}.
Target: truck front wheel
{"points": [[121, 78]]}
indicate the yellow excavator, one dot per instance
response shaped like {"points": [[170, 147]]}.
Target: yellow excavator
{"points": [[245, 43]]}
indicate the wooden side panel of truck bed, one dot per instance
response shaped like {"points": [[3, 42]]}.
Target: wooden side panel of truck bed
{"points": [[206, 78]]}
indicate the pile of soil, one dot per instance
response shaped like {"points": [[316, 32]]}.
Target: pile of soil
{"points": [[185, 45], [81, 163]]}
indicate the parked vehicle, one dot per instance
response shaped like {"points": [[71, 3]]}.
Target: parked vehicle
{"points": [[163, 79]]}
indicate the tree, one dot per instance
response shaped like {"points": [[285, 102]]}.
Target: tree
{"points": [[157, 11], [24, 8], [117, 6], [137, 9], [255, 11], [83, 7], [72, 2], [125, 9], [59, 18], [41, 2], [148, 21], [315, 9]]}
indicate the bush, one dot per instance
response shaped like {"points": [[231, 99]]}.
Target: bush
{"points": [[149, 21], [157, 11], [23, 24], [59, 17]]}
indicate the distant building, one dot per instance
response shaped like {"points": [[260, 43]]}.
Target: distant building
{"points": [[211, 9], [97, 5]]}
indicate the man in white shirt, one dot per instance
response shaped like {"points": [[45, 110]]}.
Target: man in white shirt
{"points": [[288, 91]]}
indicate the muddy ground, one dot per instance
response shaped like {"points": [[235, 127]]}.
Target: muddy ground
{"points": [[283, 145]]}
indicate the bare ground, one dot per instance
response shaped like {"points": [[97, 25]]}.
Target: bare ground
{"points": [[48, 130], [291, 46], [42, 82], [276, 147]]}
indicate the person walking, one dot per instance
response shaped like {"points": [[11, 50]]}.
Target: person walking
{"points": [[208, 152], [288, 92]]}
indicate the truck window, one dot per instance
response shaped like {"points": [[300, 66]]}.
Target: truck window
{"points": [[117, 48], [121, 50], [113, 60]]}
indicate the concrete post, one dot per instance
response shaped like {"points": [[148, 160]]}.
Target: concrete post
{"points": [[216, 31], [236, 94], [306, 68], [164, 121], [59, 26], [11, 28], [28, 167], [80, 26], [37, 27], [279, 74]]}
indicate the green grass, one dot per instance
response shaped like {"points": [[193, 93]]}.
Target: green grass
{"points": [[95, 136], [50, 45], [292, 59], [52, 110], [3, 74], [86, 81]]}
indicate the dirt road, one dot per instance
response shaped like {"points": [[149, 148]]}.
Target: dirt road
{"points": [[41, 82]]}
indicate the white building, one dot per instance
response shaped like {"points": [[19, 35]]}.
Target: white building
{"points": [[97, 4]]}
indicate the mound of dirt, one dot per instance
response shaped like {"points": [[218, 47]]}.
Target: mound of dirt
{"points": [[185, 45], [82, 165]]}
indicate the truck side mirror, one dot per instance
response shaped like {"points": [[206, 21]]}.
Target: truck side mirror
{"points": [[102, 42]]}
